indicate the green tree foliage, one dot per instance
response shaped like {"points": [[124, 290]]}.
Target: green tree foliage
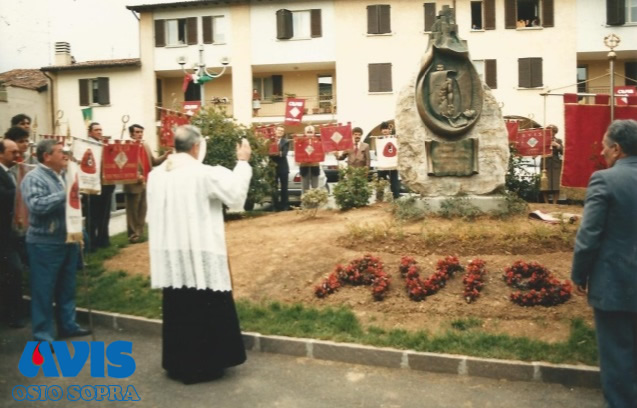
{"points": [[519, 181], [223, 133], [352, 189]]}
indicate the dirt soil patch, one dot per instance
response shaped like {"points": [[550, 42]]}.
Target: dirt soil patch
{"points": [[282, 256]]}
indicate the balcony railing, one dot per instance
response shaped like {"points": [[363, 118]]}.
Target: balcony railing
{"points": [[314, 105]]}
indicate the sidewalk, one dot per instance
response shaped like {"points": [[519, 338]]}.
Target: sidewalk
{"points": [[270, 380]]}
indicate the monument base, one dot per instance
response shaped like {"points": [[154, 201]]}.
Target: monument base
{"points": [[486, 204]]}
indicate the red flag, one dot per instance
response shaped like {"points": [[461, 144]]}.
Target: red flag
{"points": [[269, 133], [308, 150], [169, 123], [187, 80], [294, 111], [533, 142], [512, 129], [121, 162], [337, 138]]}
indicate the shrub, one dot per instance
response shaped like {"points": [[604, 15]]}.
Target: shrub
{"points": [[519, 181], [513, 205], [380, 187], [223, 133], [352, 189], [457, 207], [409, 209], [312, 200]]}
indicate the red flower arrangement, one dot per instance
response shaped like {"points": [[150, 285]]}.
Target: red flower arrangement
{"points": [[417, 288], [543, 289], [367, 270], [473, 280]]}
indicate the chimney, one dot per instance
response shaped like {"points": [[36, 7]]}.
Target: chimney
{"points": [[62, 53]]}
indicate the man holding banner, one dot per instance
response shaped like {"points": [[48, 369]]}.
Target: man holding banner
{"points": [[53, 261], [97, 205]]}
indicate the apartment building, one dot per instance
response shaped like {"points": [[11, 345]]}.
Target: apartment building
{"points": [[350, 58]]}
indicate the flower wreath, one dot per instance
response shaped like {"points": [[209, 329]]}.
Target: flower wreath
{"points": [[541, 286], [367, 270], [417, 288]]}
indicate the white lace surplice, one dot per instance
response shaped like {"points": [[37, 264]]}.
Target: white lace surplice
{"points": [[185, 221]]}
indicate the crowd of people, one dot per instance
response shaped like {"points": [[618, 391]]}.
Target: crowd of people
{"points": [[188, 255]]}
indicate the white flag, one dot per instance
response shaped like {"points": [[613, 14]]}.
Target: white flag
{"points": [[387, 153], [89, 156], [73, 204]]}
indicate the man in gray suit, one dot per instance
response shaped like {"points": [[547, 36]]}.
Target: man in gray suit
{"points": [[605, 262]]}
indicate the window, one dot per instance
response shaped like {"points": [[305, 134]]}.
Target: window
{"points": [[94, 91], [193, 92], [380, 78], [582, 75], [528, 13], [214, 29], [325, 91], [631, 11], [269, 88], [298, 24], [487, 72], [530, 72], [4, 95], [631, 73], [378, 19], [430, 15], [176, 32], [620, 12], [476, 15]]}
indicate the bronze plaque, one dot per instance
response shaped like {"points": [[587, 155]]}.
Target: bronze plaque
{"points": [[452, 158]]}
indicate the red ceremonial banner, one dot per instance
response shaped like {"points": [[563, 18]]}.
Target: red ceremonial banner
{"points": [[532, 142], [269, 133], [628, 93], [512, 129], [121, 162], [337, 138], [585, 126], [294, 111], [308, 150], [190, 108], [169, 123]]}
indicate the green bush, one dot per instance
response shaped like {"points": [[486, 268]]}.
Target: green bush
{"points": [[526, 187], [513, 205], [409, 209], [458, 207], [223, 133], [353, 189], [312, 201]]}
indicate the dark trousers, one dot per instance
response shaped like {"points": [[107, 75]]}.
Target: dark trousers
{"points": [[10, 284], [394, 183], [281, 203], [98, 216], [617, 345]]}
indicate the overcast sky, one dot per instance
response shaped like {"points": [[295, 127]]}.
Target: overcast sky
{"points": [[96, 29]]}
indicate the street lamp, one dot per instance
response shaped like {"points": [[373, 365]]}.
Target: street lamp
{"points": [[612, 41], [202, 72]]}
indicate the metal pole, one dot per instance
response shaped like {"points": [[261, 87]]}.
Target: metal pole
{"points": [[611, 57], [201, 73]]}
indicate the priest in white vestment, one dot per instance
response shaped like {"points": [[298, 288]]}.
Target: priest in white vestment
{"points": [[188, 258]]}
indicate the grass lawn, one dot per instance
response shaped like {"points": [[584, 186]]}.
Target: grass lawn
{"points": [[122, 293]]}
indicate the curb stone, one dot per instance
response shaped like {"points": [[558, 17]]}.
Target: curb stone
{"points": [[565, 374]]}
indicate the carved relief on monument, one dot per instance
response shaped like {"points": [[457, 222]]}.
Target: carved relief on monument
{"points": [[448, 89]]}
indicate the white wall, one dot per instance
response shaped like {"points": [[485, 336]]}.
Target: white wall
{"points": [[30, 102], [592, 28]]}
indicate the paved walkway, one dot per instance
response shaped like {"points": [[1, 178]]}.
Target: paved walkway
{"points": [[270, 380]]}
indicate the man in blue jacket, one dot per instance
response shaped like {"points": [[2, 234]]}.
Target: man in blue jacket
{"points": [[605, 262], [53, 262]]}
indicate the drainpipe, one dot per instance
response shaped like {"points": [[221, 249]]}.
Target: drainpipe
{"points": [[52, 101]]}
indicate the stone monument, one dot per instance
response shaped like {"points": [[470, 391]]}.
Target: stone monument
{"points": [[453, 140]]}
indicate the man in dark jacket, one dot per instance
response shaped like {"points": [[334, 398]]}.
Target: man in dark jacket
{"points": [[10, 265], [282, 170], [605, 262]]}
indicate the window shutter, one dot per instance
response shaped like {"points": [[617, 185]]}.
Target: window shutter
{"points": [[316, 26], [284, 24], [524, 72], [510, 14], [491, 73], [489, 14], [547, 14], [191, 28], [160, 33], [536, 72], [615, 12], [372, 20], [277, 85], [103, 93], [384, 21], [84, 92], [206, 26], [385, 78], [630, 69], [430, 15], [380, 78]]}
